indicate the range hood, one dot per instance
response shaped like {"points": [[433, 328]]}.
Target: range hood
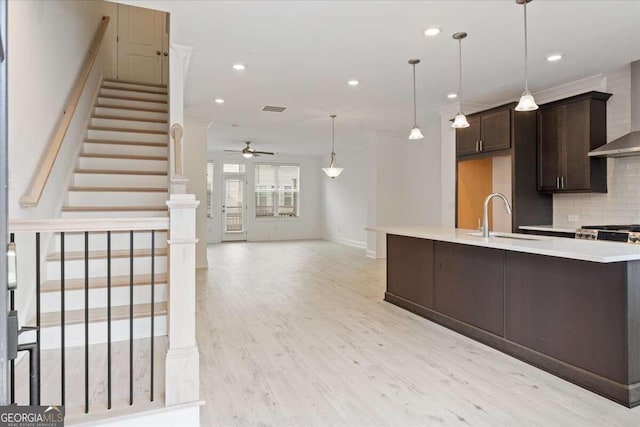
{"points": [[628, 145]]}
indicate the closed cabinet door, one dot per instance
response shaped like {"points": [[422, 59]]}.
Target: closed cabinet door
{"points": [[468, 139], [140, 44], [496, 131], [576, 136], [549, 150]]}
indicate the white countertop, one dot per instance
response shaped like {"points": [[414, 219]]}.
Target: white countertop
{"points": [[549, 228], [585, 250]]}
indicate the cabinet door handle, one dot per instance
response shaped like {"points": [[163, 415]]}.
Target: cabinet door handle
{"points": [[481, 149], [562, 182], [557, 182], [477, 146]]}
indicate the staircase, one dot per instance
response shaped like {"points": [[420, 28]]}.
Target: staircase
{"points": [[121, 173]]}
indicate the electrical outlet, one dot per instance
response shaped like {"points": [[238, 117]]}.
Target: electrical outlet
{"points": [[573, 218]]}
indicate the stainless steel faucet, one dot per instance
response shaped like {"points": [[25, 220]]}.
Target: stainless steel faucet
{"points": [[485, 211]]}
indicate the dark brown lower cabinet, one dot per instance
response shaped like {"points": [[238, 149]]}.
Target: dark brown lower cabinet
{"points": [[469, 285], [576, 319]]}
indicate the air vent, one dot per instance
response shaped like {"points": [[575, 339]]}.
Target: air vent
{"points": [[272, 109]]}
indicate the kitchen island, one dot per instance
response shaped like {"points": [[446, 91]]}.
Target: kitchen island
{"points": [[571, 307]]}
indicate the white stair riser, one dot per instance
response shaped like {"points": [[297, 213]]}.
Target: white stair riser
{"points": [[117, 198], [132, 94], [124, 149], [116, 180], [146, 105], [116, 214], [101, 111], [122, 164], [127, 136], [129, 124], [98, 267], [74, 300], [98, 241], [133, 86], [74, 334]]}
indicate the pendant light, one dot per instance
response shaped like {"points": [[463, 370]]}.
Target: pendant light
{"points": [[332, 171], [460, 120], [415, 132], [527, 103]]}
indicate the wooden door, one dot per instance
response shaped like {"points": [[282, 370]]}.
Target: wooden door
{"points": [[496, 131], [549, 150], [576, 138], [140, 44], [474, 184], [467, 139]]}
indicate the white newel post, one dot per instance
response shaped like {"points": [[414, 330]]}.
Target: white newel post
{"points": [[182, 362]]}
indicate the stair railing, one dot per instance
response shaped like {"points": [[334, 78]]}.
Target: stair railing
{"points": [[43, 171], [102, 232]]}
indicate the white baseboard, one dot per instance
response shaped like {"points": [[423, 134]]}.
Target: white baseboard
{"points": [[373, 255], [348, 242]]}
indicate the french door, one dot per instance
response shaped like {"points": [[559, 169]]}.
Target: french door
{"points": [[234, 208]]}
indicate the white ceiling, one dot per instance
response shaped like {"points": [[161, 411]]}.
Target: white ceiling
{"points": [[301, 55]]}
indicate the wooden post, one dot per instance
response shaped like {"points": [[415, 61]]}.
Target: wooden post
{"points": [[182, 381]]}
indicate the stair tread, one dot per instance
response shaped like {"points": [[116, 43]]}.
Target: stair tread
{"points": [[127, 89], [118, 253], [109, 129], [118, 142], [112, 208], [101, 282], [119, 172], [129, 98], [99, 314], [123, 156], [118, 107], [131, 82], [130, 119], [121, 189]]}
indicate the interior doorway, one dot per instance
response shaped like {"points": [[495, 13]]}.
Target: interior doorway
{"points": [[234, 208], [143, 45]]}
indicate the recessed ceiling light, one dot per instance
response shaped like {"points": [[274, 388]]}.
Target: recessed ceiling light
{"points": [[353, 82], [433, 31], [554, 57], [219, 101], [452, 95], [238, 67]]}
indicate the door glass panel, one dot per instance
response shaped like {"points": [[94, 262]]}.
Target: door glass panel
{"points": [[234, 205]]}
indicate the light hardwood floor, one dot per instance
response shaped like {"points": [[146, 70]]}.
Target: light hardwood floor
{"points": [[297, 334]]}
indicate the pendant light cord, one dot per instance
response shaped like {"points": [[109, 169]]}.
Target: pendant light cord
{"points": [[526, 53], [460, 72], [415, 121], [333, 134]]}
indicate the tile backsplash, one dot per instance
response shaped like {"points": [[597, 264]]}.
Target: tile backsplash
{"points": [[622, 202]]}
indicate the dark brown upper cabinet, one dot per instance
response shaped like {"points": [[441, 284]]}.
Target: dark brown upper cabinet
{"points": [[567, 130], [488, 131]]}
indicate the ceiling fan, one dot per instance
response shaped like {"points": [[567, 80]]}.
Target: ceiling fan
{"points": [[249, 152]]}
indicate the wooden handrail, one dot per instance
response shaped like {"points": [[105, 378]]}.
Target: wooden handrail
{"points": [[41, 176], [55, 225], [177, 131]]}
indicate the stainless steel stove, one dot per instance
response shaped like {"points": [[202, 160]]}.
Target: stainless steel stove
{"points": [[614, 233]]}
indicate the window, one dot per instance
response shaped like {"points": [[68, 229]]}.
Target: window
{"points": [[233, 168], [209, 189], [277, 191]]}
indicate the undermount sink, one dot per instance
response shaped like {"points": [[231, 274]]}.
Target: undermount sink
{"points": [[504, 236]]}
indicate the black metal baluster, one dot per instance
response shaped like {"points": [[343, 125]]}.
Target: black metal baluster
{"points": [[131, 318], [12, 306], [86, 322], [62, 358], [38, 309], [153, 282], [108, 319]]}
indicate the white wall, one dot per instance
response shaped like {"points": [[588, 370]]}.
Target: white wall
{"points": [[195, 165], [307, 226], [345, 198]]}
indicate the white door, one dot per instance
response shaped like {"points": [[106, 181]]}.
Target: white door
{"points": [[140, 44], [234, 208]]}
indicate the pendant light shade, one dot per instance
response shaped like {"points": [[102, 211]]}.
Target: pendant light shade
{"points": [[415, 131], [333, 171], [461, 120], [527, 103]]}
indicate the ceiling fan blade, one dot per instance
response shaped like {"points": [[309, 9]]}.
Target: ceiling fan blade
{"points": [[256, 155], [233, 151], [264, 152]]}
